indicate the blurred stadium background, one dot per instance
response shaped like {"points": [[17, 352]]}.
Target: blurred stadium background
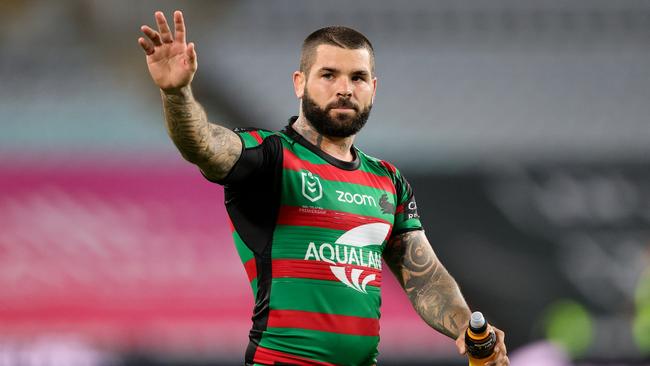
{"points": [[524, 127]]}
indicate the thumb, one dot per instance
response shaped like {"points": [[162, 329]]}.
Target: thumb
{"points": [[460, 344]]}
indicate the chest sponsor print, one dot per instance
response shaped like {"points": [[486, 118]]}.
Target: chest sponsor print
{"points": [[350, 254]]}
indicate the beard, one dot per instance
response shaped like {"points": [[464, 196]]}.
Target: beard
{"points": [[342, 124]]}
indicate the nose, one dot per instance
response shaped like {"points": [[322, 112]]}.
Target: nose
{"points": [[344, 88]]}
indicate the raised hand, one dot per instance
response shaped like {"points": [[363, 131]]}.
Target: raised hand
{"points": [[171, 61]]}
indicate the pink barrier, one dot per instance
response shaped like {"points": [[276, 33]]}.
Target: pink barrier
{"points": [[138, 255]]}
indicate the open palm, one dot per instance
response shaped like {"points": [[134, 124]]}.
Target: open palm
{"points": [[171, 61]]}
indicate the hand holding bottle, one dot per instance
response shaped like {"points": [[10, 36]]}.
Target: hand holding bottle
{"points": [[483, 343]]}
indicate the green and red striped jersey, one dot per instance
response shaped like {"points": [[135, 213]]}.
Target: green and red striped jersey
{"points": [[310, 230]]}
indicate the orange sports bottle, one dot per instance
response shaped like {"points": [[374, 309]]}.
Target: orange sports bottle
{"points": [[480, 340]]}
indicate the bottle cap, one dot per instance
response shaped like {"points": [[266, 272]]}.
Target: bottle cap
{"points": [[477, 322]]}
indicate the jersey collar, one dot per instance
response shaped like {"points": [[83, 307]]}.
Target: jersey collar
{"points": [[345, 165]]}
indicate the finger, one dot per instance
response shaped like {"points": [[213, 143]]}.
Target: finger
{"points": [[500, 349], [147, 46], [191, 54], [163, 28], [179, 26], [500, 335], [501, 340], [500, 362], [504, 361], [501, 358], [152, 35]]}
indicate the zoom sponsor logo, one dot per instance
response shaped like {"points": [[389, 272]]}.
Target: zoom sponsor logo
{"points": [[350, 249], [357, 199]]}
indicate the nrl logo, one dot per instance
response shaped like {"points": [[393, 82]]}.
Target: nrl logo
{"points": [[311, 187]]}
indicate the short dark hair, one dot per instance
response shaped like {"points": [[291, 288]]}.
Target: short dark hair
{"points": [[339, 36]]}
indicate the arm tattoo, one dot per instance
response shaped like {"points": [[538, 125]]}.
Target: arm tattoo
{"points": [[431, 289], [213, 148]]}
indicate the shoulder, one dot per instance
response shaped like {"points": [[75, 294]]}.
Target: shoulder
{"points": [[378, 165], [252, 137], [387, 169]]}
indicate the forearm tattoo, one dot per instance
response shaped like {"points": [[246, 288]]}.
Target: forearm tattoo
{"points": [[213, 148], [431, 289]]}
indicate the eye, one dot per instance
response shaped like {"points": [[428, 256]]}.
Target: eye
{"points": [[328, 76], [357, 78]]}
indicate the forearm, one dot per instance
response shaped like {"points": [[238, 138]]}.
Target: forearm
{"points": [[431, 289], [187, 124], [213, 148], [438, 300]]}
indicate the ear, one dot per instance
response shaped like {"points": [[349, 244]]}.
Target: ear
{"points": [[374, 88], [299, 80]]}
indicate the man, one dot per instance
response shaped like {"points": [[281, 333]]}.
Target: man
{"points": [[312, 214]]}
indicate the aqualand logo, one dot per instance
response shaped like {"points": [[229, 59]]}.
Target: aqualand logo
{"points": [[350, 249]]}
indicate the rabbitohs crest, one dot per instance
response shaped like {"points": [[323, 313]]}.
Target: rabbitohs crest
{"points": [[311, 187]]}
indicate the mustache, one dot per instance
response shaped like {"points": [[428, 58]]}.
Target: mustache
{"points": [[342, 103]]}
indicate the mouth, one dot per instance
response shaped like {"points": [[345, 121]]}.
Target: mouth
{"points": [[342, 106]]}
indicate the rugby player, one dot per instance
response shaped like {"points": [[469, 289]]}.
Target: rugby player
{"points": [[312, 215]]}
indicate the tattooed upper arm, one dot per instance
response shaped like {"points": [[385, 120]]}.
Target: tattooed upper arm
{"points": [[222, 148], [432, 291], [410, 256], [215, 149]]}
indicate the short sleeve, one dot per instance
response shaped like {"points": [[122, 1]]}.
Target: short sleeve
{"points": [[260, 153], [406, 212]]}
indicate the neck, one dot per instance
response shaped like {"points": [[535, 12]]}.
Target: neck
{"points": [[338, 147]]}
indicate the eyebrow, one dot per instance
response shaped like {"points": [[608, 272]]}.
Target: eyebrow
{"points": [[333, 70], [328, 69]]}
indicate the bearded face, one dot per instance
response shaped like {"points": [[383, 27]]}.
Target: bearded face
{"points": [[332, 123], [337, 90]]}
